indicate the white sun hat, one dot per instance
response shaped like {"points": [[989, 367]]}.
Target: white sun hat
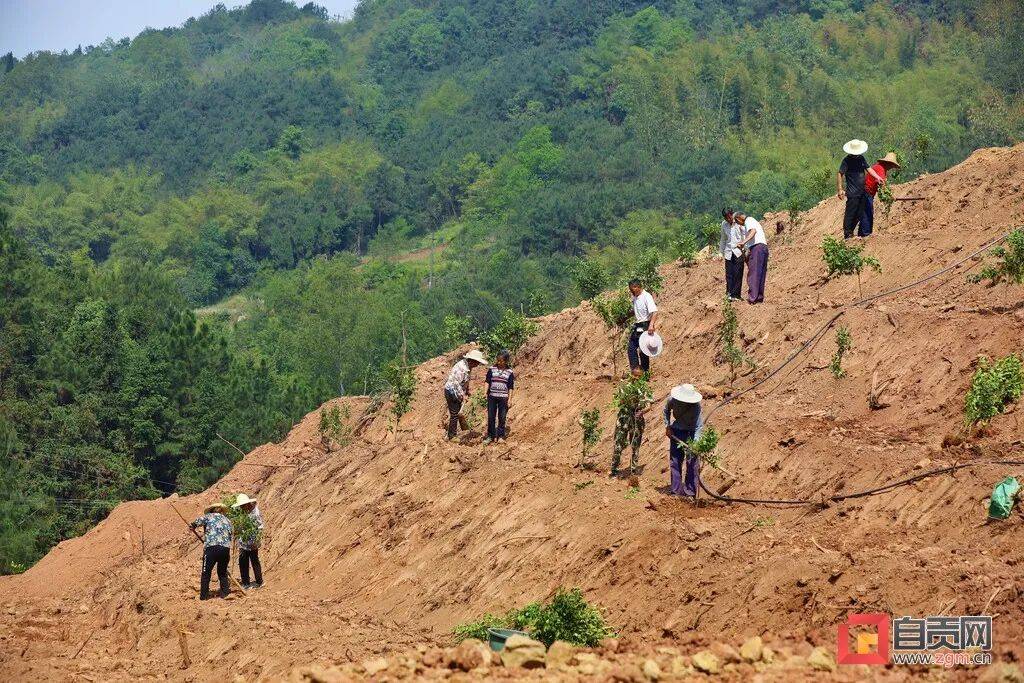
{"points": [[855, 146], [686, 393], [651, 344], [475, 355], [243, 500]]}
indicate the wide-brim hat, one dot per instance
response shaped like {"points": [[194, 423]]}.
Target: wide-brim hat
{"points": [[243, 500], [651, 344], [855, 147], [686, 393], [216, 507], [890, 159], [475, 355]]}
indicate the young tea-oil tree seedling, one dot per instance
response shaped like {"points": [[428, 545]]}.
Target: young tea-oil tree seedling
{"points": [[687, 249], [616, 311], [590, 277], [845, 259], [728, 351], [843, 343], [1010, 265], [706, 446], [401, 381], [592, 431], [512, 332], [993, 386]]}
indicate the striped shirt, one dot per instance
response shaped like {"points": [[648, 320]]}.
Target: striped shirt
{"points": [[500, 382]]}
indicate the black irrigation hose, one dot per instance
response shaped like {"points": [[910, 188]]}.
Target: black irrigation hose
{"points": [[803, 347], [859, 494]]}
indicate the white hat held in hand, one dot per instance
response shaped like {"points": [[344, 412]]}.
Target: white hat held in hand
{"points": [[651, 344], [686, 393], [855, 147]]}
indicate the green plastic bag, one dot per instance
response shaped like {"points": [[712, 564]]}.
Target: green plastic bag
{"points": [[1004, 495]]}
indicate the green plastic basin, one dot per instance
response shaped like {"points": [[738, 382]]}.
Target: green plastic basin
{"points": [[498, 636]]}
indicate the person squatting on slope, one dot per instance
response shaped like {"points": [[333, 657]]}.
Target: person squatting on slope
{"points": [[632, 398], [500, 382], [683, 424], [249, 538], [456, 390], [877, 177], [853, 170], [217, 532], [757, 268], [645, 314], [728, 245]]}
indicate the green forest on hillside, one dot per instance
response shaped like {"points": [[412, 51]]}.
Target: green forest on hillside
{"points": [[216, 227]]}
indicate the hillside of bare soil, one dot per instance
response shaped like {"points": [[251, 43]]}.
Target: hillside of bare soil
{"points": [[382, 544]]}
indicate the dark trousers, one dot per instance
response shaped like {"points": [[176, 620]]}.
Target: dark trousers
{"points": [[854, 215], [867, 219], [638, 359], [679, 485], [454, 417], [245, 557], [497, 411], [757, 271], [734, 277], [215, 555]]}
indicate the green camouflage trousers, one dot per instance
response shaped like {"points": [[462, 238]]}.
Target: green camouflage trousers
{"points": [[629, 431]]}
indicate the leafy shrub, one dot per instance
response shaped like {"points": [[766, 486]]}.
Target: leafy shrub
{"points": [[590, 277], [993, 387], [615, 309], [846, 259], [332, 423], [687, 249], [457, 330], [567, 617], [476, 408], [843, 343], [729, 352], [512, 332], [645, 269], [710, 231], [589, 420], [633, 393], [1010, 268], [401, 381], [705, 446], [245, 527]]}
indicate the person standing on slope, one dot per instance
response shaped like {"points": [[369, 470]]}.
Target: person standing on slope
{"points": [[500, 382], [757, 268], [853, 170], [683, 425], [876, 178], [217, 532], [456, 390], [645, 315], [249, 538], [733, 255]]}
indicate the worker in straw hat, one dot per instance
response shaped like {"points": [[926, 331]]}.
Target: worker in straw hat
{"points": [[682, 426], [850, 185], [456, 390], [876, 178], [249, 537], [217, 532]]}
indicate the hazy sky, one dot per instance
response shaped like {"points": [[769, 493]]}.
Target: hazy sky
{"points": [[30, 25]]}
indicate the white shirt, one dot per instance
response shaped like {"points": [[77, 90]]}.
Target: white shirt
{"points": [[644, 306], [752, 224], [732, 235]]}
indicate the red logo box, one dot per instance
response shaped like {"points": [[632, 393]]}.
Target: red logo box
{"points": [[863, 655]]}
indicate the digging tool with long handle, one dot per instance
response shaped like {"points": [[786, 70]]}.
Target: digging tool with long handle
{"points": [[196, 534]]}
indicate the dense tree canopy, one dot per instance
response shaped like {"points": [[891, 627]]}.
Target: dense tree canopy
{"points": [[215, 227]]}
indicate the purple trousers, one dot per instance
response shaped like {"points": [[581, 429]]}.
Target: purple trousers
{"points": [[757, 270], [677, 485]]}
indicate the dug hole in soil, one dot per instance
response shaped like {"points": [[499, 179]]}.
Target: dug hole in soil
{"points": [[380, 546]]}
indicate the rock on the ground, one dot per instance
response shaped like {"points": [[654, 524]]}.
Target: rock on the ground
{"points": [[767, 655], [560, 653], [651, 670], [318, 674], [706, 661], [625, 673], [589, 664], [821, 659], [471, 654], [752, 649], [523, 651]]}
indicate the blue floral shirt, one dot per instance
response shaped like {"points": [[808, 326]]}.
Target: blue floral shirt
{"points": [[252, 540], [217, 528]]}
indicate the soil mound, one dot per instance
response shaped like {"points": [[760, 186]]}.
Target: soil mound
{"points": [[382, 541]]}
